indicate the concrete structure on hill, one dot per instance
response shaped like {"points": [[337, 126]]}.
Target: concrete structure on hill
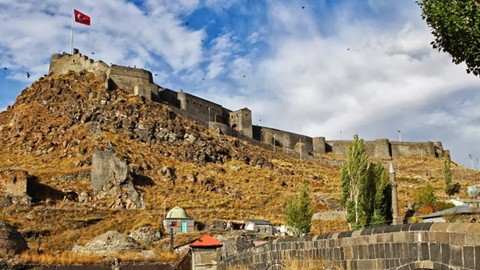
{"points": [[259, 226], [177, 221], [238, 123], [15, 182]]}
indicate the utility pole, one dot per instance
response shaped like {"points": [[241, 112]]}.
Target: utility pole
{"points": [[393, 181]]}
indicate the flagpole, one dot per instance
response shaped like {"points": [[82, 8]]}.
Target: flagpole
{"points": [[71, 33]]}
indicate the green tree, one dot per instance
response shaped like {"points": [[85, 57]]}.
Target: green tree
{"points": [[426, 196], [366, 190], [447, 173], [455, 26], [450, 189], [382, 203], [355, 176], [299, 212]]}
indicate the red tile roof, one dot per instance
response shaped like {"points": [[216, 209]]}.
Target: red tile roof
{"points": [[206, 241]]}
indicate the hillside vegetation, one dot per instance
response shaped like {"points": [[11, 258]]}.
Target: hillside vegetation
{"points": [[56, 124]]}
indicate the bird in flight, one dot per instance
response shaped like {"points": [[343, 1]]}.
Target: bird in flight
{"points": [[28, 75]]}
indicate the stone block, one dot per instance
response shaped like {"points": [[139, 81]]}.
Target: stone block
{"points": [[445, 250], [469, 257], [458, 238], [439, 227], [440, 237], [435, 251], [458, 227], [424, 254], [472, 239], [474, 228], [456, 256], [477, 257]]}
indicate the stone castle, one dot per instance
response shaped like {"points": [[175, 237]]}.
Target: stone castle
{"points": [[238, 123]]}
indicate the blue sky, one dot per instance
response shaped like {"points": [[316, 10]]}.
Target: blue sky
{"points": [[328, 68]]}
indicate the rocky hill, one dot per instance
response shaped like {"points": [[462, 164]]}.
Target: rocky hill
{"points": [[56, 125]]}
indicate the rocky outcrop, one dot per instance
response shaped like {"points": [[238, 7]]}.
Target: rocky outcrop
{"points": [[11, 241], [112, 180], [145, 235], [110, 242]]}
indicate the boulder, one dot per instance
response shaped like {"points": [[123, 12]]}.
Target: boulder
{"points": [[11, 241], [145, 235], [112, 180], [110, 242]]}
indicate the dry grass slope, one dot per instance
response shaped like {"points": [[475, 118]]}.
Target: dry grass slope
{"points": [[50, 133]]}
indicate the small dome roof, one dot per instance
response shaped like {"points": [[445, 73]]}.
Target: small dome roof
{"points": [[177, 212]]}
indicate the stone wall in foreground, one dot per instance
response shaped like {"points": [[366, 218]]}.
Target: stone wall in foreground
{"points": [[409, 246]]}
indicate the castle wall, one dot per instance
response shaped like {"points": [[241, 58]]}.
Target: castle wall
{"points": [[204, 110], [169, 96], [241, 121], [63, 63], [301, 144], [319, 145], [413, 149], [220, 127], [385, 149], [140, 82], [134, 80]]}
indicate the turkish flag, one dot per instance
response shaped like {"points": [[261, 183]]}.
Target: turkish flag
{"points": [[81, 18]]}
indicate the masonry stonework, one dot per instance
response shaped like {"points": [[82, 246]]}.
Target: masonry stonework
{"points": [[15, 182], [402, 247], [239, 123]]}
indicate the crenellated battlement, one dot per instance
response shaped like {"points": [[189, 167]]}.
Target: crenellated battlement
{"points": [[140, 82]]}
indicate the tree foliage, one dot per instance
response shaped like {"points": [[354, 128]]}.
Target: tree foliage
{"points": [[450, 189], [455, 26], [366, 191], [426, 195], [299, 212], [447, 173]]}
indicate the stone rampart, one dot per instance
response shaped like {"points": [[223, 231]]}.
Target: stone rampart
{"points": [[140, 82], [301, 144], [135, 80], [204, 110], [409, 246], [385, 149], [64, 63]]}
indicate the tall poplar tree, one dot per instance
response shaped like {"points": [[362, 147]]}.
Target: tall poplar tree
{"points": [[355, 175], [447, 173], [366, 190]]}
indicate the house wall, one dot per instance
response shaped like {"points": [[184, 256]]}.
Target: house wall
{"points": [[177, 227], [205, 258]]}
